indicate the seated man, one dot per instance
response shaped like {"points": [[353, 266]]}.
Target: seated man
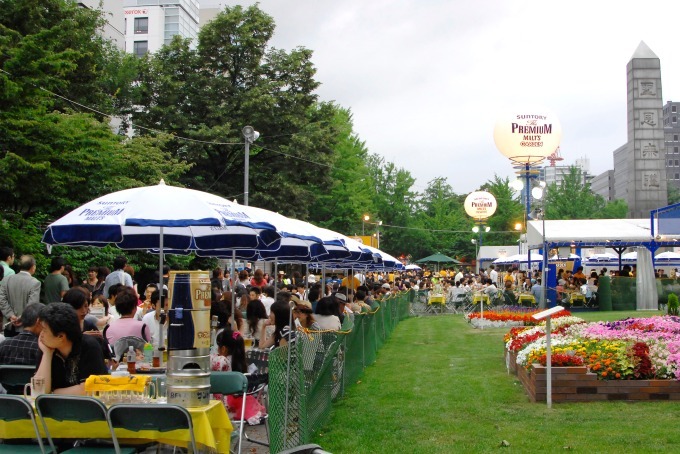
{"points": [[22, 349], [509, 295], [68, 357]]}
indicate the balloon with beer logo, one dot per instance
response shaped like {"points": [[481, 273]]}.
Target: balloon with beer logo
{"points": [[480, 205], [527, 136]]}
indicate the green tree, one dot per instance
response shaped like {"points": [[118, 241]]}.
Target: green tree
{"points": [[234, 78], [509, 211], [572, 199], [395, 203], [349, 197]]}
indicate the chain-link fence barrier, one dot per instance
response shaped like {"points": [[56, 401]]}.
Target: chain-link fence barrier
{"points": [[307, 376]]}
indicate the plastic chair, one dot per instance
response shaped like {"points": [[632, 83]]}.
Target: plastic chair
{"points": [[77, 409], [231, 383], [14, 377], [160, 418], [16, 408]]}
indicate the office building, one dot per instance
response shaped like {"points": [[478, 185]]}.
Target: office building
{"points": [[114, 28], [150, 24]]}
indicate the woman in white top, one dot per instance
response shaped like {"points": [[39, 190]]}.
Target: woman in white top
{"points": [[326, 316]]}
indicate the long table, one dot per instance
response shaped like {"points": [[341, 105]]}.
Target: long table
{"points": [[212, 430]]}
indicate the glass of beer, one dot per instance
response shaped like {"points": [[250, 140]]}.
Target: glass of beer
{"points": [[248, 341]]}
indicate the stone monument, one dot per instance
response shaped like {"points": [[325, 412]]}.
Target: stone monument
{"points": [[639, 166]]}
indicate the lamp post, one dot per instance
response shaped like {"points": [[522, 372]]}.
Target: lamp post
{"points": [[364, 220], [377, 231], [250, 136], [474, 241], [538, 194]]}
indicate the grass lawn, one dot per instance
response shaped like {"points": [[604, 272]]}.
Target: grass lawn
{"points": [[440, 386]]}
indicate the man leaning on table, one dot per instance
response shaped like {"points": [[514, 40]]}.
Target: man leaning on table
{"points": [[67, 357]]}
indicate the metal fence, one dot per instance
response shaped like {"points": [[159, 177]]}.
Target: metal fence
{"points": [[306, 378]]}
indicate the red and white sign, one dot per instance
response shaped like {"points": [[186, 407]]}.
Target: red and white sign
{"points": [[136, 11]]}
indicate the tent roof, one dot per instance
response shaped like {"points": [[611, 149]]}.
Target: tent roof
{"points": [[594, 233], [493, 252]]}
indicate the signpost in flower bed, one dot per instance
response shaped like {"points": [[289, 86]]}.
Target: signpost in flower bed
{"points": [[545, 315]]}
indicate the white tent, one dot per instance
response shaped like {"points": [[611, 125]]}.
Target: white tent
{"points": [[589, 231]]}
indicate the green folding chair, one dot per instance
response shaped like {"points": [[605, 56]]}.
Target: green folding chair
{"points": [[77, 409], [231, 383], [160, 418], [16, 408], [14, 377]]}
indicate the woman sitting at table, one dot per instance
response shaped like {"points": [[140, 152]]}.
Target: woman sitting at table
{"points": [[279, 318], [256, 315], [509, 295], [67, 356], [231, 356], [126, 325]]}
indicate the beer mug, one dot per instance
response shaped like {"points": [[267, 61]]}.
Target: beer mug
{"points": [[248, 341], [36, 387]]}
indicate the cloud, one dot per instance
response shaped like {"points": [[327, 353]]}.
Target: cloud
{"points": [[426, 79]]}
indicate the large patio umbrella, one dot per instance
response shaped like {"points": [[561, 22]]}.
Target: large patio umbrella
{"points": [[439, 258], [165, 217]]}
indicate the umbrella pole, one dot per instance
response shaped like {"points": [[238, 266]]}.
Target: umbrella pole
{"points": [[276, 276], [233, 290], [161, 341]]}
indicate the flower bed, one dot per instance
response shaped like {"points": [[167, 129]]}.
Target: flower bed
{"points": [[640, 357], [507, 317]]}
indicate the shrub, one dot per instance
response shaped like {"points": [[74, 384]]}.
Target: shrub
{"points": [[673, 304]]}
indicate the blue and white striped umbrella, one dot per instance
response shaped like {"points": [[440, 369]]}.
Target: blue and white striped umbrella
{"points": [[155, 217]]}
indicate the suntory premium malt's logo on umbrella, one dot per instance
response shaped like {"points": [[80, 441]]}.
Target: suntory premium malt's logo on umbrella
{"points": [[527, 137]]}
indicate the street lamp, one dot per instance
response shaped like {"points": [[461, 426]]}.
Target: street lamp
{"points": [[538, 193], [364, 220], [474, 241], [250, 136]]}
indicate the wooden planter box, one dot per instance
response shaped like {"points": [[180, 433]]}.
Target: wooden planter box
{"points": [[576, 384]]}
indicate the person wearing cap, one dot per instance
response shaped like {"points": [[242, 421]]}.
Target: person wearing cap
{"points": [[386, 289], [303, 314]]}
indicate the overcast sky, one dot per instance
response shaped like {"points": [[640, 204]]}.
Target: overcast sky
{"points": [[427, 79]]}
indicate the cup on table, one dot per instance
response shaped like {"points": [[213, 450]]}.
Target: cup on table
{"points": [[161, 391], [34, 388], [248, 341]]}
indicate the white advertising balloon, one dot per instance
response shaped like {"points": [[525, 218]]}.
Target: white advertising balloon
{"points": [[480, 204], [527, 136]]}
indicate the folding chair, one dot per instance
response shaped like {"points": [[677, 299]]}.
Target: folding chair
{"points": [[77, 409], [160, 418], [231, 383], [16, 408], [14, 377]]}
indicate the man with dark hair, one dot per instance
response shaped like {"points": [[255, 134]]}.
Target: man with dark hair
{"points": [[19, 290], [6, 261], [23, 348], [118, 275], [55, 284], [67, 357]]}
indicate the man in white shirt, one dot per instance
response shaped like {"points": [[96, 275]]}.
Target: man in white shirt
{"points": [[117, 276], [493, 275], [459, 276]]}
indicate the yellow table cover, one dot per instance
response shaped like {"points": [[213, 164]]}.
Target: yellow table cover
{"points": [[106, 383], [212, 429]]}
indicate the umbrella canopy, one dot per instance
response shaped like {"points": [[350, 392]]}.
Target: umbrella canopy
{"points": [[412, 266], [438, 258], [163, 216], [667, 256]]}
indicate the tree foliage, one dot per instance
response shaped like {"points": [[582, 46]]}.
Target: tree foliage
{"points": [[572, 199], [234, 78]]}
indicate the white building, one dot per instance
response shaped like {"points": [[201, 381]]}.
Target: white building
{"points": [[114, 29], [150, 24]]}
